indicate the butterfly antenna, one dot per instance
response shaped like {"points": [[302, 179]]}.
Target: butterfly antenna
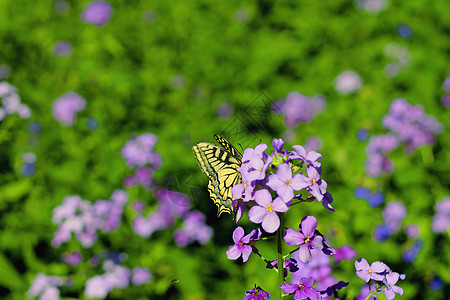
{"points": [[241, 147]]}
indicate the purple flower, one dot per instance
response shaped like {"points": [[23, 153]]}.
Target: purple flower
{"points": [[63, 48], [138, 206], [309, 158], [348, 82], [345, 252], [409, 255], [225, 110], [278, 145], [259, 167], [314, 184], [66, 107], [140, 276], [393, 215], [96, 287], [247, 186], [266, 211], [298, 108], [249, 153], [302, 290], [441, 220], [97, 13], [382, 232], [290, 264], [306, 238], [73, 258], [284, 183], [327, 200], [366, 272], [194, 229], [390, 290], [138, 151], [256, 294], [45, 287], [361, 192], [241, 245]]}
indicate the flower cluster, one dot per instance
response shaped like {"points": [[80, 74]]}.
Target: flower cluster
{"points": [[298, 108], [348, 82], [393, 215], [172, 205], [66, 107], [115, 277], [446, 87], [45, 287], [11, 102], [97, 13], [441, 220], [400, 57], [271, 185], [139, 153], [373, 199], [83, 219], [408, 125], [379, 277]]}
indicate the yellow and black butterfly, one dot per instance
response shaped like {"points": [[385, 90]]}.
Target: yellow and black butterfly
{"points": [[221, 165]]}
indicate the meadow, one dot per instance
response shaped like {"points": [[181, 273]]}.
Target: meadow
{"points": [[101, 193]]}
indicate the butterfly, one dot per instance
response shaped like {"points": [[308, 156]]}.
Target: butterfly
{"points": [[221, 165]]}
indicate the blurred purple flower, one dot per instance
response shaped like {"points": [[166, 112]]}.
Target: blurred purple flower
{"points": [[371, 5], [225, 110], [393, 215], [256, 294], [97, 13], [72, 259], [348, 82], [409, 255], [45, 287], [446, 100], [97, 287], [436, 284], [302, 290], [63, 48], [284, 183], [366, 272], [138, 206], [194, 229], [404, 31], [382, 232], [298, 108], [138, 151], [441, 220], [66, 107], [362, 134], [362, 192], [345, 252], [412, 231], [306, 238], [266, 211], [140, 276]]}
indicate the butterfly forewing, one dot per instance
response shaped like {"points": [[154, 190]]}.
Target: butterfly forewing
{"points": [[222, 168]]}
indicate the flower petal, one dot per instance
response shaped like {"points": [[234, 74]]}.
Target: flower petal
{"points": [[273, 182], [271, 222], [305, 254], [246, 251], [238, 233], [361, 264], [312, 172], [284, 172], [288, 288], [293, 237], [257, 214], [233, 252], [317, 242], [298, 183], [308, 225], [363, 275], [263, 197], [237, 191], [279, 205], [285, 192], [378, 266]]}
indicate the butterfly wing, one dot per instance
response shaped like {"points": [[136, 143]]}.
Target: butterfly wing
{"points": [[222, 168], [228, 146]]}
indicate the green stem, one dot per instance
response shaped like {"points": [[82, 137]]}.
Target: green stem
{"points": [[371, 294], [280, 259]]}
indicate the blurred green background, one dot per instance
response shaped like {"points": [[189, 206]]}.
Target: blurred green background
{"points": [[168, 67]]}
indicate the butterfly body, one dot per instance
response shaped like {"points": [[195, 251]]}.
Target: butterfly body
{"points": [[221, 165]]}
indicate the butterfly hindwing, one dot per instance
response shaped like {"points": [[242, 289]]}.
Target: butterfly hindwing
{"points": [[222, 168]]}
